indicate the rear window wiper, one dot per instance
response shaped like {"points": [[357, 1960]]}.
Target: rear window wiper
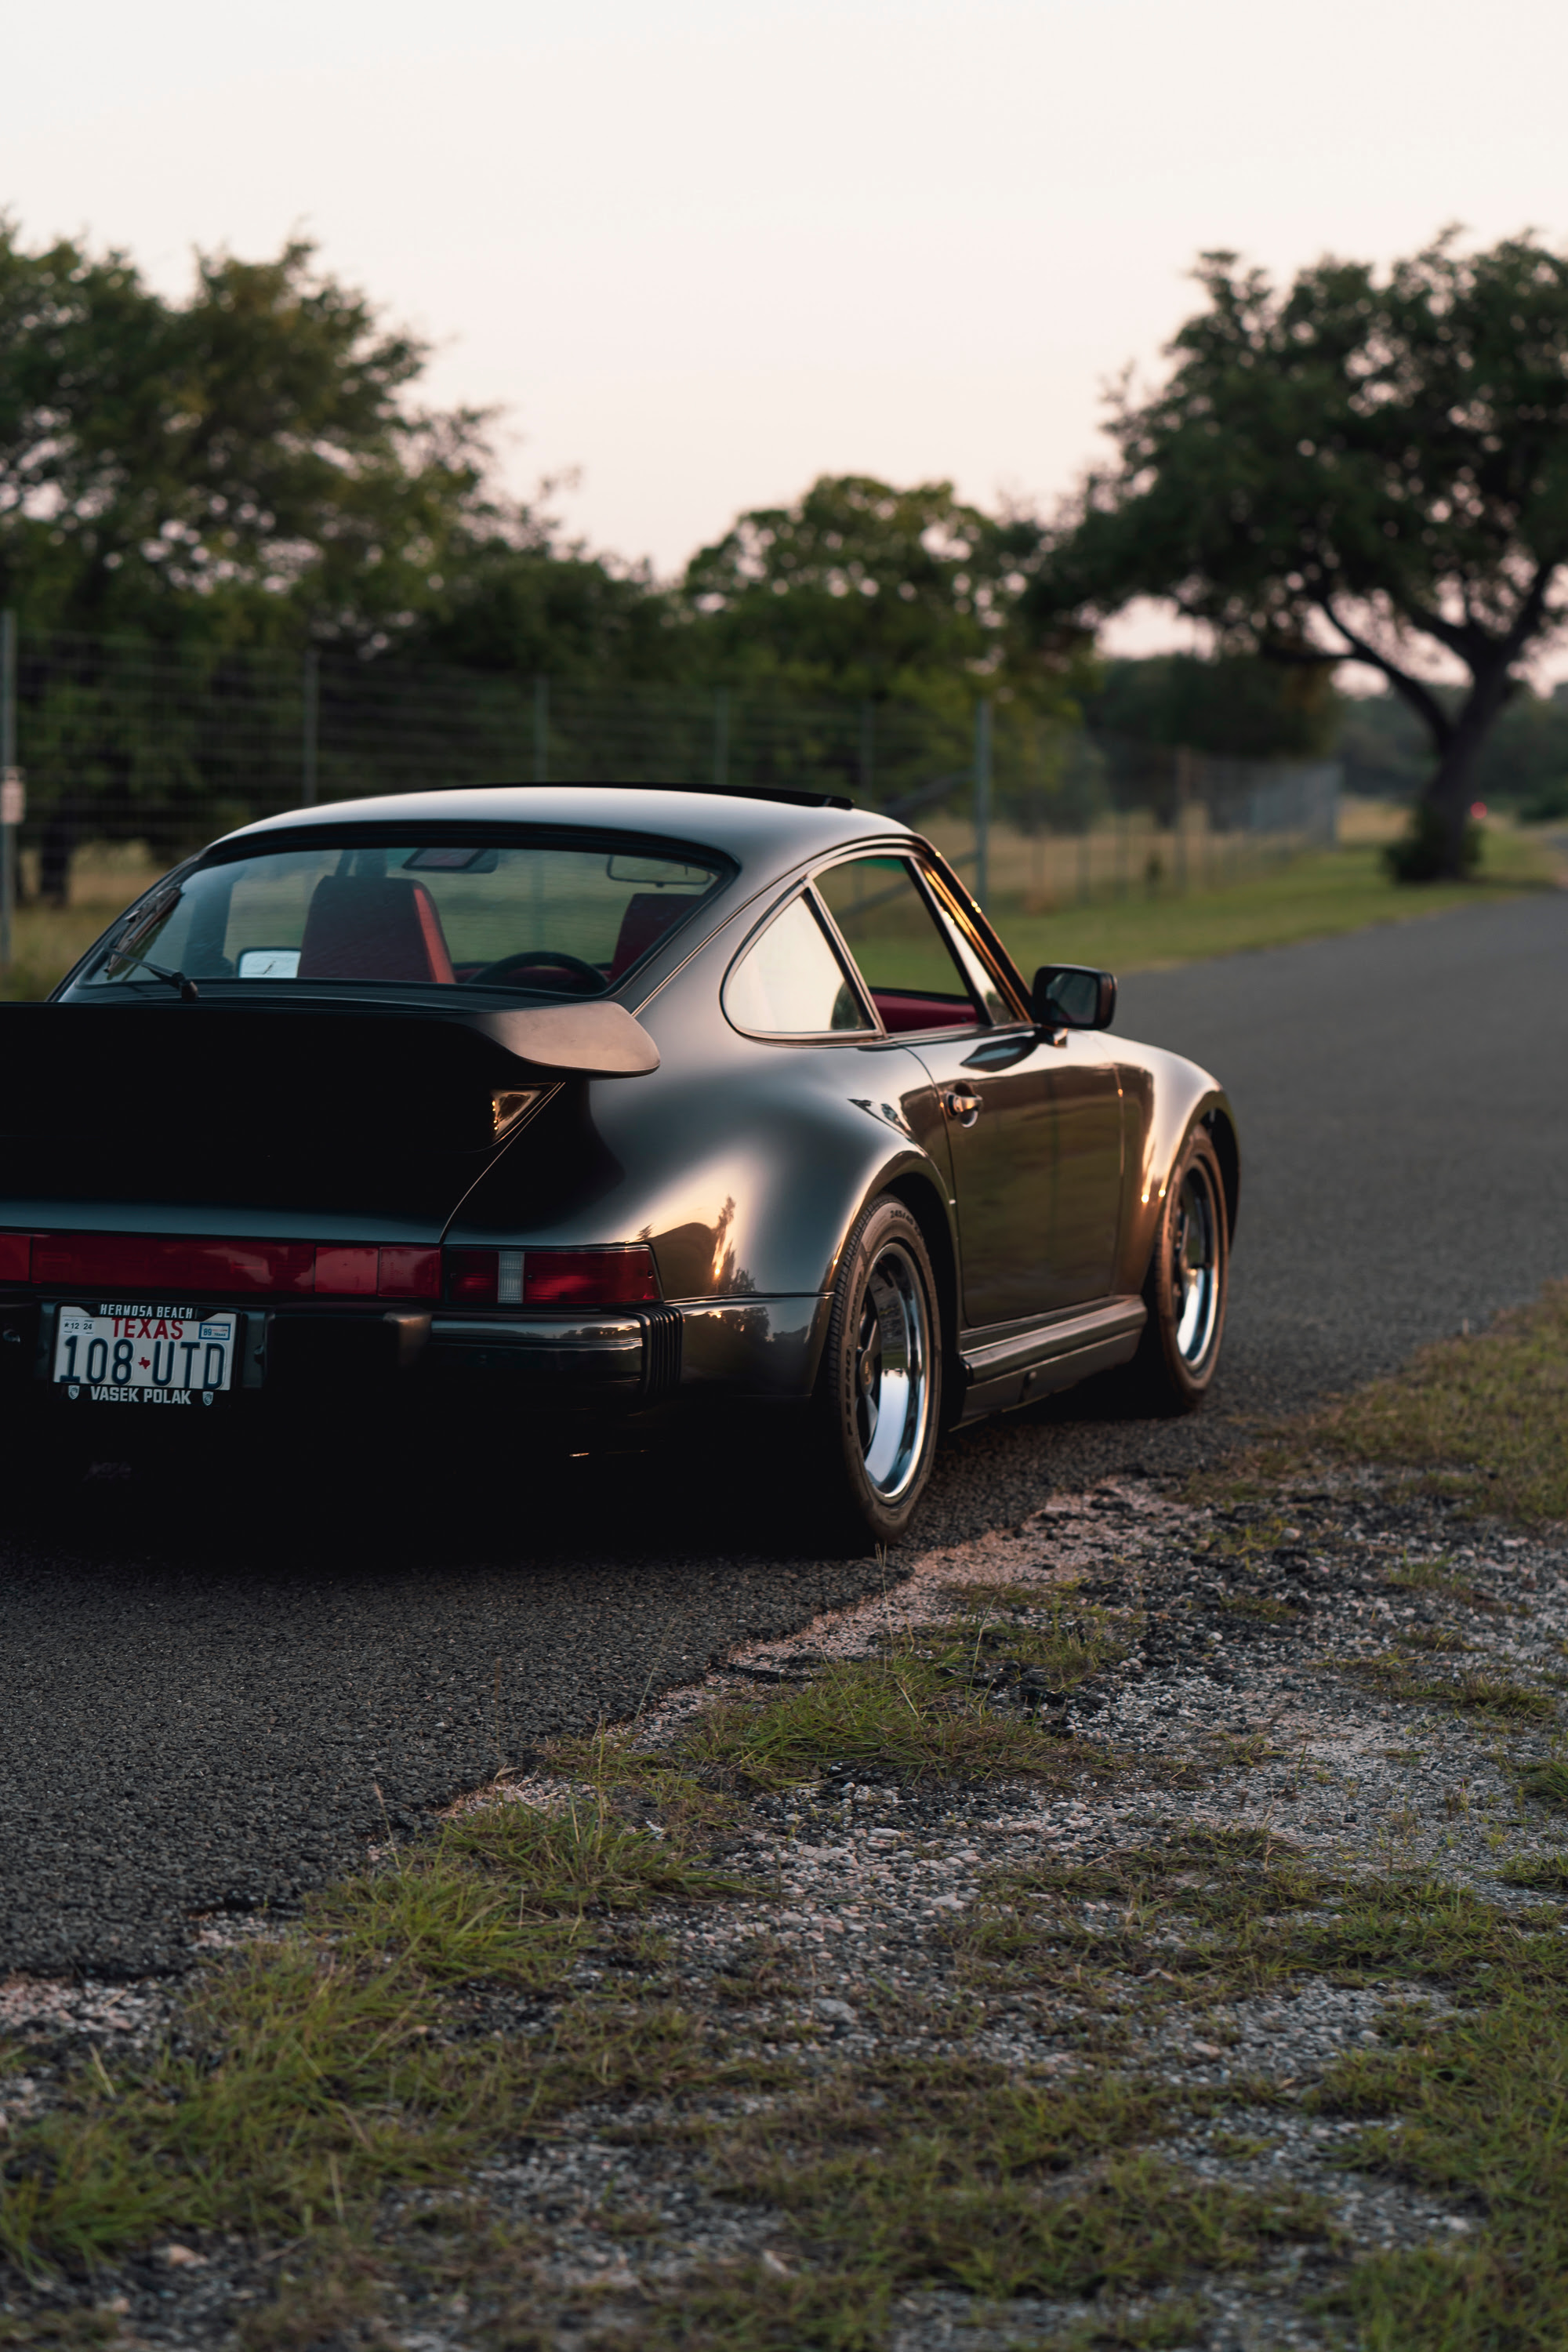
{"points": [[137, 925], [137, 928], [189, 993]]}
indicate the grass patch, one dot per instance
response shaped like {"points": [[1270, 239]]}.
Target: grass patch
{"points": [[1482, 2109], [1432, 1578], [1546, 1873], [979, 1598], [941, 2173], [1216, 1913], [904, 1717], [749, 2308], [1073, 1642], [46, 941], [1260, 1608], [1315, 897], [313, 2072], [1434, 1637], [1485, 1416], [1547, 1782], [1473, 1693]]}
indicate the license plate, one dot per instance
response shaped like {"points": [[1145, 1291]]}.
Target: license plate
{"points": [[135, 1354]]}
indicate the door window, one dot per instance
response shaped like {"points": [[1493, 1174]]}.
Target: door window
{"points": [[905, 957], [790, 984]]}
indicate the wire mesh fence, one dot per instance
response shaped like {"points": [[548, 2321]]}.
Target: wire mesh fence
{"points": [[157, 750]]}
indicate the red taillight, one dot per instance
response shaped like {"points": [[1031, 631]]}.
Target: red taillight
{"points": [[358, 1270], [473, 1277], [146, 1262], [410, 1274], [592, 1278], [161, 1268], [351, 1273], [16, 1258], [589, 1278], [484, 1277]]}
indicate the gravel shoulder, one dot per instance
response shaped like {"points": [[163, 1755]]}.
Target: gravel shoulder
{"points": [[1340, 1684]]}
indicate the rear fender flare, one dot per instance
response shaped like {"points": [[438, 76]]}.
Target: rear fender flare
{"points": [[1165, 1096]]}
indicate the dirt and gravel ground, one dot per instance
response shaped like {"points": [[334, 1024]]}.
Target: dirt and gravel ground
{"points": [[1288, 1704], [202, 1691]]}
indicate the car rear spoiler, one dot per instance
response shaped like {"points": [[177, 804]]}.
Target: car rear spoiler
{"points": [[596, 1040]]}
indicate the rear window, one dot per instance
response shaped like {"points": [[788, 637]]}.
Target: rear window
{"points": [[541, 917]]}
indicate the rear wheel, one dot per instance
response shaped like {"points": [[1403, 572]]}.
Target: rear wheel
{"points": [[1186, 1286], [879, 1396]]}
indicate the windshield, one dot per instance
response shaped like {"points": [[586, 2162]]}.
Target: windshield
{"points": [[550, 919]]}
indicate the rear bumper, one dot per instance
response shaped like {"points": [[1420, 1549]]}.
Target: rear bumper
{"points": [[610, 1363]]}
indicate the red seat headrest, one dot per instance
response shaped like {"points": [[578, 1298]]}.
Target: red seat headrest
{"points": [[362, 927], [650, 914]]}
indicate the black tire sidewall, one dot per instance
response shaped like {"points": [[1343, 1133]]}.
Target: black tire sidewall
{"points": [[850, 1496]]}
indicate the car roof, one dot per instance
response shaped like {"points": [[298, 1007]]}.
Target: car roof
{"points": [[758, 832]]}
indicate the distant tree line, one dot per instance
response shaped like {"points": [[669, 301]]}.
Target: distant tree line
{"points": [[1331, 475], [252, 467]]}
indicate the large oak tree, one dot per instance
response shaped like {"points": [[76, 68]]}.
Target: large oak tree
{"points": [[1364, 467]]}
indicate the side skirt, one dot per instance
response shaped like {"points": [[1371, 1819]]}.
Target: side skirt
{"points": [[1020, 1362]]}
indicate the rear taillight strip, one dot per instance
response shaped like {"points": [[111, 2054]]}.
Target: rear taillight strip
{"points": [[153, 1266], [620, 1274]]}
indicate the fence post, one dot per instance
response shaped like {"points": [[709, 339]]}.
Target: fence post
{"points": [[310, 691], [983, 801], [720, 739], [542, 730], [1183, 795], [10, 785]]}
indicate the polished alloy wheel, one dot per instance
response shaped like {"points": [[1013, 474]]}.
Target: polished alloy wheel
{"points": [[1196, 1265], [892, 1372]]}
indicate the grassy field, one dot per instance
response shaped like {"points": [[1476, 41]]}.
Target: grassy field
{"points": [[1315, 896], [48, 940]]}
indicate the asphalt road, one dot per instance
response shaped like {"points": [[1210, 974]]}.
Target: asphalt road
{"points": [[207, 1701]]}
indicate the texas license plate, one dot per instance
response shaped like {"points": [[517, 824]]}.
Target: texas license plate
{"points": [[136, 1354]]}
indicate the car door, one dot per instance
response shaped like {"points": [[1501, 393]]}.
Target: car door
{"points": [[992, 1082], [1034, 1118], [1083, 1174]]}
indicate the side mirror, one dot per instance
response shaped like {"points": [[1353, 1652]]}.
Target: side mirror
{"points": [[1073, 996]]}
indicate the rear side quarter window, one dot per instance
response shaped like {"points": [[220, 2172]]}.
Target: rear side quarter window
{"points": [[789, 983]]}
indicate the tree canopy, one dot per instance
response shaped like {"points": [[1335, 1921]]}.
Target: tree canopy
{"points": [[1238, 707], [1358, 468], [863, 588], [244, 463]]}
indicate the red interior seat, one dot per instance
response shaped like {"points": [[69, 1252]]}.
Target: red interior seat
{"points": [[901, 1011], [650, 914], [360, 927]]}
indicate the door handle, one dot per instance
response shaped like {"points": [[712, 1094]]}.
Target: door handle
{"points": [[962, 1104]]}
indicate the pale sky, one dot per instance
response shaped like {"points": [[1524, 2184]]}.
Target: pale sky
{"points": [[705, 250]]}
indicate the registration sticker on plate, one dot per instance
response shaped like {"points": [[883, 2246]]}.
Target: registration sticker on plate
{"points": [[116, 1353]]}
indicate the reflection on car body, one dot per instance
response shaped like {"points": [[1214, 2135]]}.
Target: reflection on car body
{"points": [[594, 1107]]}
